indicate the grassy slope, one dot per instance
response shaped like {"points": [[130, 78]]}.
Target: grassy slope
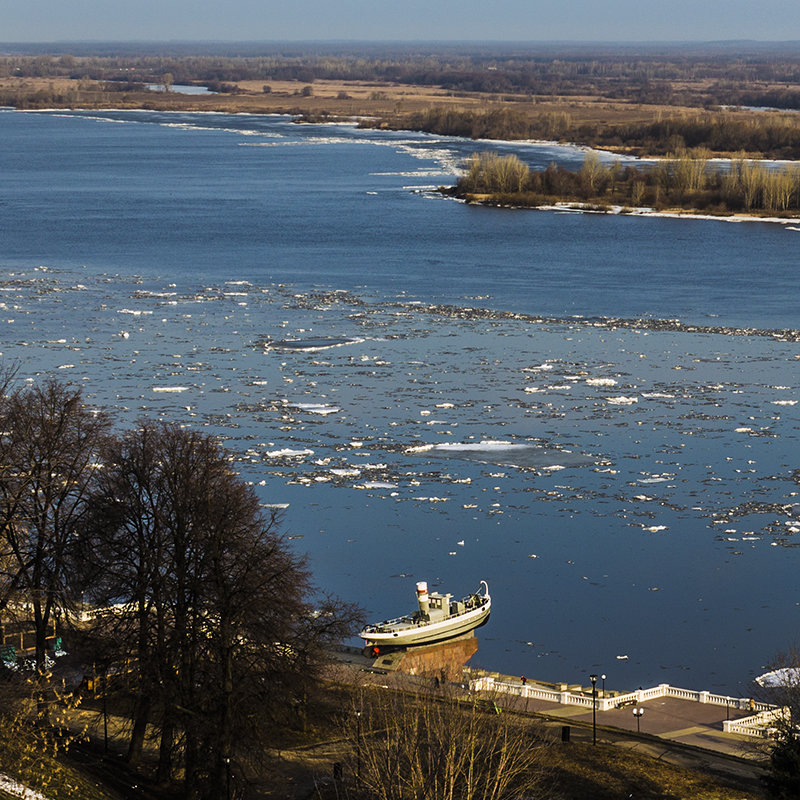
{"points": [[605, 772]]}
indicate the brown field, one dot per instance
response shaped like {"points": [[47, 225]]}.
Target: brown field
{"points": [[596, 121], [350, 99]]}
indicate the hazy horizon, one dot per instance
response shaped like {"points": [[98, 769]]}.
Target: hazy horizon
{"points": [[415, 21]]}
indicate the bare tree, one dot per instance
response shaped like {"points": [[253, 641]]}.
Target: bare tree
{"points": [[420, 746], [120, 559], [49, 450], [226, 637]]}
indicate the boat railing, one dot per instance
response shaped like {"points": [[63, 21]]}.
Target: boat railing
{"points": [[378, 627], [414, 622]]}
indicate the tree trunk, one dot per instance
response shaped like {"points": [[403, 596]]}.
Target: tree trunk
{"points": [[40, 623], [141, 715], [191, 786], [164, 772]]}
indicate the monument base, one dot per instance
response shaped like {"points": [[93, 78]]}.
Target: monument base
{"points": [[443, 660]]}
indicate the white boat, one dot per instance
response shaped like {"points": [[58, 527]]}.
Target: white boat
{"points": [[439, 617]]}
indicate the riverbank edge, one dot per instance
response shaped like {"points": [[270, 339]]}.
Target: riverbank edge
{"points": [[577, 207], [377, 119]]}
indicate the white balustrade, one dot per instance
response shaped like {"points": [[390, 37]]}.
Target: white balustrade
{"points": [[758, 724]]}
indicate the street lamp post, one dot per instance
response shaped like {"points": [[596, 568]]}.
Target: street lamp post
{"points": [[358, 745], [593, 679], [105, 709], [603, 692], [637, 712]]}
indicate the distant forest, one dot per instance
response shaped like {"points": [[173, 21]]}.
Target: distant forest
{"points": [[695, 76], [641, 100]]}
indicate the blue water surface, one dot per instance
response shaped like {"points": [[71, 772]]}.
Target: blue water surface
{"points": [[147, 257]]}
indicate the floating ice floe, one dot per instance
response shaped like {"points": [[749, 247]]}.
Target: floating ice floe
{"points": [[308, 345], [621, 400], [288, 452], [601, 382], [170, 389], [784, 402], [503, 453], [314, 408], [786, 676], [376, 485]]}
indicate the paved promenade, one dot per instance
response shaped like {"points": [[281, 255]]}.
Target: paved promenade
{"points": [[684, 721]]}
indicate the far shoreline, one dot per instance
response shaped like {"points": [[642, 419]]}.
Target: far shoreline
{"points": [[572, 207]]}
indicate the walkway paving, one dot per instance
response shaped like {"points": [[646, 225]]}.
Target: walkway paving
{"points": [[684, 721]]}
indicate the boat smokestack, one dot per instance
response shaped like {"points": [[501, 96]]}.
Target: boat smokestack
{"points": [[422, 597]]}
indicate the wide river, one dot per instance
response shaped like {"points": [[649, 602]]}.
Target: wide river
{"points": [[431, 390]]}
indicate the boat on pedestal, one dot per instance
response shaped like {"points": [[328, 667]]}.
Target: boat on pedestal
{"points": [[438, 617]]}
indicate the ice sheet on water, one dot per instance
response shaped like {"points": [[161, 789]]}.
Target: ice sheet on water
{"points": [[601, 382], [323, 409], [784, 677], [308, 345], [506, 454]]}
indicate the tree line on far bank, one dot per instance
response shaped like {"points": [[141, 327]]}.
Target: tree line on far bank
{"points": [[760, 136], [678, 75], [686, 179], [164, 572]]}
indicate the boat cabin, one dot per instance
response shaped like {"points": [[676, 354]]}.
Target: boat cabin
{"points": [[439, 606]]}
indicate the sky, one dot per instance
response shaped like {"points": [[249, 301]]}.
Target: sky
{"points": [[407, 20]]}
